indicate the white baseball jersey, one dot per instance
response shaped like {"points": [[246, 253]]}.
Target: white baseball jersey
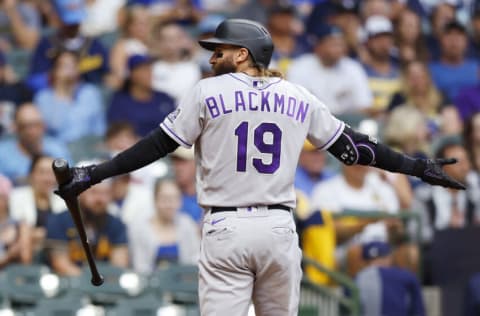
{"points": [[248, 133]]}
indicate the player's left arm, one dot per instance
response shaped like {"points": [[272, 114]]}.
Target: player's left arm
{"points": [[353, 147]]}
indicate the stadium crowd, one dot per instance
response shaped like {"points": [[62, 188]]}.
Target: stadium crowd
{"points": [[85, 79]]}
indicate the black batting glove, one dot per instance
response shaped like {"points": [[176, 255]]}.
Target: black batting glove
{"points": [[430, 171], [81, 181]]}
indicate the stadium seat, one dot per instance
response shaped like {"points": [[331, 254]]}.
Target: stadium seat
{"points": [[113, 289], [176, 283], [23, 284]]}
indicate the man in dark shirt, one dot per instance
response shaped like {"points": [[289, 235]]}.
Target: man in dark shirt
{"points": [[137, 103]]}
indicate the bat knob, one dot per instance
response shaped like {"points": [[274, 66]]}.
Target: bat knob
{"points": [[97, 281], [61, 170]]}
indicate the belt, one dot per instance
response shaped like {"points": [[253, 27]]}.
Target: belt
{"points": [[216, 209]]}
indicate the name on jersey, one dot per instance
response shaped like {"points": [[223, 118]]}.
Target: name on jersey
{"points": [[262, 101]]}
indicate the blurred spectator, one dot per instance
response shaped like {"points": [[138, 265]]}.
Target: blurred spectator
{"points": [[101, 17], [134, 39], [409, 38], [338, 81], [311, 169], [107, 234], [474, 48], [406, 130], [442, 13], [285, 28], [71, 108], [166, 237], [382, 71], [183, 164], [130, 199], [467, 101], [12, 94], [14, 236], [472, 296], [19, 25], [176, 71], [418, 91], [93, 58], [256, 10], [471, 138], [362, 189], [184, 12], [386, 290], [121, 136], [137, 103], [34, 203], [344, 15], [453, 71], [443, 208], [16, 154], [369, 8]]}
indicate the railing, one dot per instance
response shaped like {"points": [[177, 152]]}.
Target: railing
{"points": [[321, 300]]}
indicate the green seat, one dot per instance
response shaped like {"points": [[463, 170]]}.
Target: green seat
{"points": [[20, 284], [67, 305], [176, 283], [111, 291], [145, 305]]}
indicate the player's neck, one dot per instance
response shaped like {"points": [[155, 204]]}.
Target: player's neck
{"points": [[246, 69]]}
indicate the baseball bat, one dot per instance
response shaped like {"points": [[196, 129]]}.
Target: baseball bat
{"points": [[62, 174]]}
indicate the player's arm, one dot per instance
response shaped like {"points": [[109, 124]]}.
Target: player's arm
{"points": [[356, 148], [152, 147]]}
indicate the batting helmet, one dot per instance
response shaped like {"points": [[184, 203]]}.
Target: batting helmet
{"points": [[244, 33]]}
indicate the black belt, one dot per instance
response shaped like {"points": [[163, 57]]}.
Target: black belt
{"points": [[216, 209]]}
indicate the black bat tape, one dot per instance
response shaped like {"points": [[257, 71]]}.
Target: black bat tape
{"points": [[63, 175]]}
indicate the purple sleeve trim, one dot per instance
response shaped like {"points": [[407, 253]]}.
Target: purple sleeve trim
{"points": [[339, 129], [371, 150], [174, 135]]}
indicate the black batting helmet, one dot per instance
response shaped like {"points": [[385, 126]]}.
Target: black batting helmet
{"points": [[244, 33]]}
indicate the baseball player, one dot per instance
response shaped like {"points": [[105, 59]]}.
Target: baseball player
{"points": [[248, 126]]}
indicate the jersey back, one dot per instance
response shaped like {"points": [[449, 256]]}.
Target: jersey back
{"points": [[248, 133]]}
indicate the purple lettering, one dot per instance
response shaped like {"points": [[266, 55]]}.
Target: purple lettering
{"points": [[279, 102], [292, 104], [265, 101], [250, 101], [212, 106], [225, 111], [302, 111], [239, 101]]}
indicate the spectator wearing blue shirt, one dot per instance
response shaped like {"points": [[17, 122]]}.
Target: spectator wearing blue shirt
{"points": [[183, 164], [387, 290], [107, 234], [311, 169], [16, 153], [137, 103], [93, 56], [71, 109], [454, 71]]}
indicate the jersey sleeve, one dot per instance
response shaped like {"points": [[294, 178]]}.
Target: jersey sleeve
{"points": [[324, 128], [185, 123]]}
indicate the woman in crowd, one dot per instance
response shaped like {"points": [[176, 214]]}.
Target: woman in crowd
{"points": [[14, 236], [408, 37], [134, 40], [418, 91], [168, 236], [34, 203], [71, 109]]}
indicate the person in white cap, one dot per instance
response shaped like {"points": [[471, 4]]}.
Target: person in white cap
{"points": [[382, 71]]}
